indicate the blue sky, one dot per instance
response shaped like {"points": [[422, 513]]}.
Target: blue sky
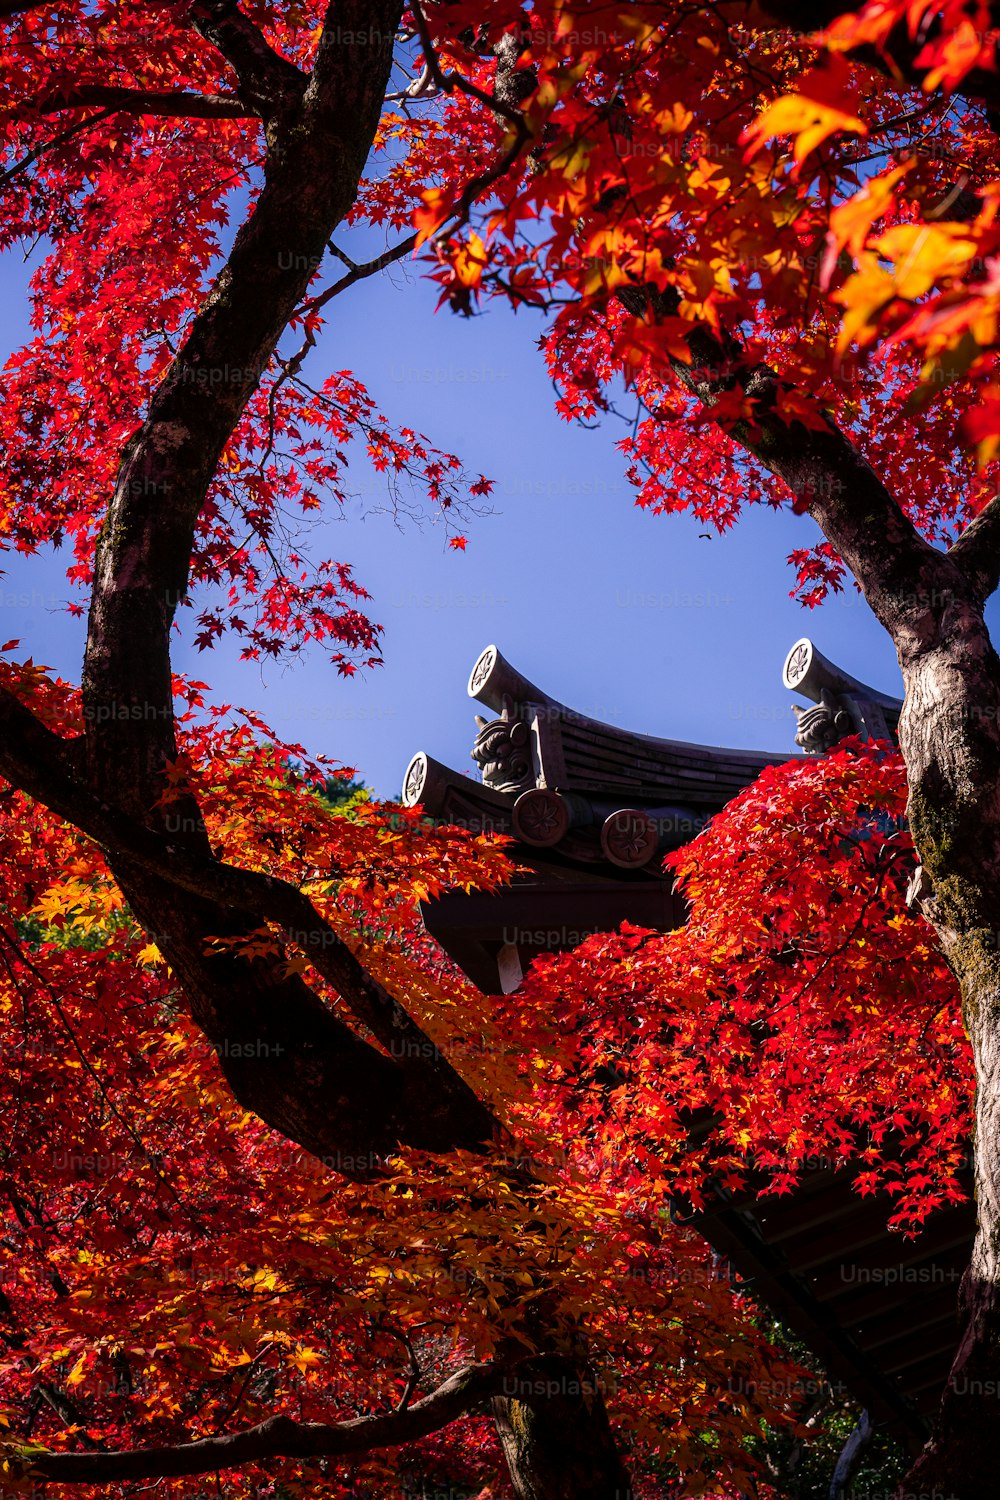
{"points": [[627, 617]]}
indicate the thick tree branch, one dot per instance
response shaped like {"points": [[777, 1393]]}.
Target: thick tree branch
{"points": [[283, 1437], [178, 105], [977, 551], [33, 759], [285, 1054], [318, 143], [267, 81], [37, 761], [900, 573], [822, 468]]}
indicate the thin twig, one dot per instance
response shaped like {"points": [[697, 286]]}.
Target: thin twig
{"points": [[58, 140], [448, 82]]}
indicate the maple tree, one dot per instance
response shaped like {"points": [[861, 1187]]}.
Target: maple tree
{"points": [[785, 245], [307, 1171]]}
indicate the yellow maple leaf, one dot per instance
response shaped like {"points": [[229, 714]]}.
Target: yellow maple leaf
{"points": [[303, 1359], [863, 296], [926, 253], [812, 113], [851, 222], [470, 261]]}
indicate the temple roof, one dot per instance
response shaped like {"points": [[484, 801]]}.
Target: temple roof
{"points": [[592, 810]]}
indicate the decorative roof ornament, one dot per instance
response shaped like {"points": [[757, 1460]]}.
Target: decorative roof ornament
{"points": [[593, 810], [502, 751], [823, 726], [844, 706]]}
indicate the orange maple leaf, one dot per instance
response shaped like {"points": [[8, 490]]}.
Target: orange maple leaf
{"points": [[819, 106]]}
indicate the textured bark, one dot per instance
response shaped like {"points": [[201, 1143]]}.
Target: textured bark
{"points": [[280, 1437], [951, 740], [949, 732], [850, 1459], [556, 1437], [286, 1056], [575, 1472], [931, 604]]}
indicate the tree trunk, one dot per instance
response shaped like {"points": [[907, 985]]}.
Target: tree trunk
{"points": [[960, 1461], [950, 736], [285, 1054], [557, 1439], [931, 604]]}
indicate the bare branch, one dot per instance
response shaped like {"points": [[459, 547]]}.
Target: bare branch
{"points": [[359, 272], [447, 82], [422, 87]]}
